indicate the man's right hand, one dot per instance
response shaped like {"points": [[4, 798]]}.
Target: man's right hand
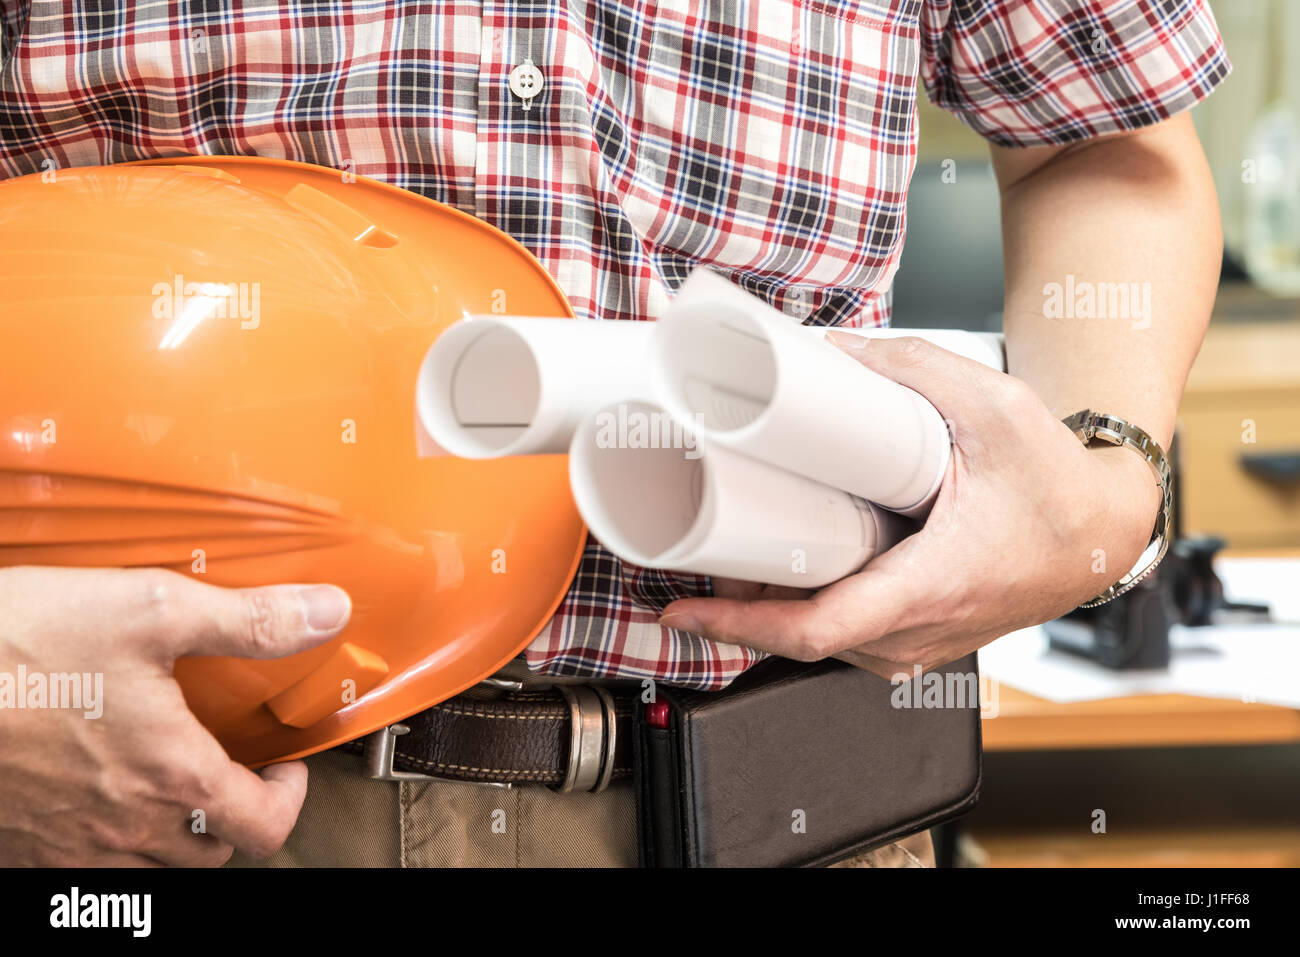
{"points": [[122, 789]]}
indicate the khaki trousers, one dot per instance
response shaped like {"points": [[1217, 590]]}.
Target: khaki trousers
{"points": [[352, 821]]}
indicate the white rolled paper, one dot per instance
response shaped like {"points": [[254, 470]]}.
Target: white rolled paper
{"points": [[983, 347], [656, 495], [756, 383], [493, 386]]}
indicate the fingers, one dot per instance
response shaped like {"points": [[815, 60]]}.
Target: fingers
{"points": [[217, 805], [958, 387], [856, 610], [208, 852], [195, 850], [186, 617], [903, 588], [256, 813], [169, 615], [124, 860], [267, 622], [752, 591], [50, 857], [782, 627], [241, 811]]}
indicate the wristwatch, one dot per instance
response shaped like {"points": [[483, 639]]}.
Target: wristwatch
{"points": [[1092, 427]]}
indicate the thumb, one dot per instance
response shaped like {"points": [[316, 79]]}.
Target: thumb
{"points": [[268, 622], [953, 384]]}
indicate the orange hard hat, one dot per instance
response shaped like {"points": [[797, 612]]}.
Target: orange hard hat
{"points": [[208, 364]]}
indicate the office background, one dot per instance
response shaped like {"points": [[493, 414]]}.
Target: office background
{"points": [[1197, 779]]}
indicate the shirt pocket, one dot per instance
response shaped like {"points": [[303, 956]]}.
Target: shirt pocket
{"points": [[774, 140]]}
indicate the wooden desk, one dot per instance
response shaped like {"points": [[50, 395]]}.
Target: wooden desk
{"points": [[1175, 807], [1225, 845], [1227, 832], [1027, 723]]}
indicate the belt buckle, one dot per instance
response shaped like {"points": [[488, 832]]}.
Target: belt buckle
{"points": [[380, 747]]}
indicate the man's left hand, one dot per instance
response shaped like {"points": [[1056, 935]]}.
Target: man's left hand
{"points": [[1028, 524]]}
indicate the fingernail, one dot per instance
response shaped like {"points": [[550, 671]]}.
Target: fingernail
{"points": [[681, 623], [326, 608], [847, 341]]}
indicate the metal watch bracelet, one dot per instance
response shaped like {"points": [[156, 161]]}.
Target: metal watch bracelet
{"points": [[1091, 427]]}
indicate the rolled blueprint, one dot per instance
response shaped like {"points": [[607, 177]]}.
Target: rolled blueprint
{"points": [[493, 386], [656, 495], [754, 382], [983, 347]]}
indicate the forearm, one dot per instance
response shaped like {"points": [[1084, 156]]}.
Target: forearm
{"points": [[1131, 218], [1027, 514]]}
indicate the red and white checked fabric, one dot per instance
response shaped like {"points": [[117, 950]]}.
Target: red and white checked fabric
{"points": [[772, 140]]}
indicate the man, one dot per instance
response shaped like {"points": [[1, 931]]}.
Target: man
{"points": [[624, 144]]}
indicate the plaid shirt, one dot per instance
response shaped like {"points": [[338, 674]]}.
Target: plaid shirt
{"points": [[770, 139]]}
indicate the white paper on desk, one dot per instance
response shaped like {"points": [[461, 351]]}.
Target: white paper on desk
{"points": [[1268, 581], [1240, 662], [492, 386], [753, 382], [688, 505]]}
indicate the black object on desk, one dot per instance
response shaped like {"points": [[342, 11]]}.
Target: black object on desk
{"points": [[1130, 632], [1133, 630]]}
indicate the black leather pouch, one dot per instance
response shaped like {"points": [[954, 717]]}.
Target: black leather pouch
{"points": [[798, 764]]}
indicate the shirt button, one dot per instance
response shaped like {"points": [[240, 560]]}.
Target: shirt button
{"points": [[526, 81]]}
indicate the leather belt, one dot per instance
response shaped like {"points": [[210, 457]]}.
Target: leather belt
{"points": [[567, 737]]}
